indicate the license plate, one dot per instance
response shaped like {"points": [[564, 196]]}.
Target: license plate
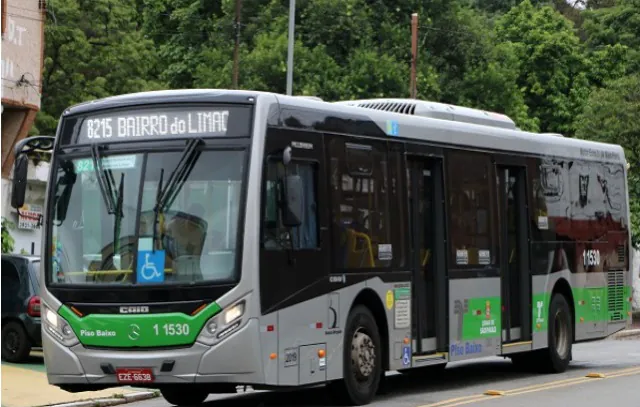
{"points": [[134, 375]]}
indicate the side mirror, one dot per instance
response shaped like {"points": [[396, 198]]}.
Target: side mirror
{"points": [[68, 179], [293, 209], [19, 187]]}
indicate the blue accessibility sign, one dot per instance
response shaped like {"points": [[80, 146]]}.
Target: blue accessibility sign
{"points": [[150, 266], [406, 356]]}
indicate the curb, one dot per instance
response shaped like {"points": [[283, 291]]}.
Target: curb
{"points": [[627, 333], [110, 401]]}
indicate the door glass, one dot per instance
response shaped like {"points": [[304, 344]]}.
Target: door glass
{"points": [[511, 191]]}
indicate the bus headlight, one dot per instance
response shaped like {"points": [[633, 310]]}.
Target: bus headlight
{"points": [[233, 313], [222, 324], [60, 329]]}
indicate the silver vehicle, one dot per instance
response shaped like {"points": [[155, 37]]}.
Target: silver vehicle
{"points": [[197, 240]]}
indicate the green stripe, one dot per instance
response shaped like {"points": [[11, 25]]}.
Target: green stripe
{"points": [[114, 330]]}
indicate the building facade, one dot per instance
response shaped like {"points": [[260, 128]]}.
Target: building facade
{"points": [[22, 65]]}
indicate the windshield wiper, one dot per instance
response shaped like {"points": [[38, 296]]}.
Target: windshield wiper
{"points": [[101, 175], [119, 215], [180, 173], [156, 210]]}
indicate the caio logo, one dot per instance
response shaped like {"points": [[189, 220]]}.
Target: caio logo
{"points": [[135, 309]]}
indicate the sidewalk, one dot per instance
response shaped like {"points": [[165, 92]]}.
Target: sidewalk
{"points": [[633, 332], [28, 387]]}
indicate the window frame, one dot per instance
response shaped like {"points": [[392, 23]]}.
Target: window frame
{"points": [[384, 150], [314, 164], [453, 158]]}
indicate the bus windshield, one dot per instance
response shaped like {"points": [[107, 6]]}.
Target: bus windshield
{"points": [[104, 234]]}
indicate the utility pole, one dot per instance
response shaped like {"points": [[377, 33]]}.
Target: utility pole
{"points": [[414, 55], [292, 27], [236, 48]]}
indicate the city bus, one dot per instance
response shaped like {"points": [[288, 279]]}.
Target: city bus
{"points": [[200, 240]]}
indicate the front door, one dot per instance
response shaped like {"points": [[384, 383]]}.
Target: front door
{"points": [[515, 275], [293, 259], [428, 260]]}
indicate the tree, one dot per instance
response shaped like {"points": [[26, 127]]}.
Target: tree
{"points": [[611, 115], [93, 49], [551, 63], [7, 239]]}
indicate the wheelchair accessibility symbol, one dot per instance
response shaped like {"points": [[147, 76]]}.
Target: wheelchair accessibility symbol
{"points": [[406, 356], [150, 266]]}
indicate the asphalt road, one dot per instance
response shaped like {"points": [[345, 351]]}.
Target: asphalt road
{"points": [[466, 384]]}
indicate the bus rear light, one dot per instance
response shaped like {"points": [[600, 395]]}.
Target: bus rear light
{"points": [[33, 307]]}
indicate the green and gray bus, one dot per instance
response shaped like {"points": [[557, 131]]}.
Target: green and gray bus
{"points": [[199, 240]]}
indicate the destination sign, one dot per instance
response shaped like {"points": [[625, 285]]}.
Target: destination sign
{"points": [[141, 124]]}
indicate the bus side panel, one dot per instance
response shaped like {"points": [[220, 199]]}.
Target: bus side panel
{"points": [[590, 292], [299, 326], [475, 321], [269, 345], [542, 286], [396, 300]]}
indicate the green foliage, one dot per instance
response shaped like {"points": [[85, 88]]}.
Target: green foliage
{"points": [[7, 239], [93, 49], [611, 115], [549, 66], [551, 63]]}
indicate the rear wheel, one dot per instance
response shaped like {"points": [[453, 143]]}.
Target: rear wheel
{"points": [[556, 357], [16, 345], [184, 395], [362, 359]]}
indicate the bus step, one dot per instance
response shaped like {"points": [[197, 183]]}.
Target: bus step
{"points": [[432, 359]]}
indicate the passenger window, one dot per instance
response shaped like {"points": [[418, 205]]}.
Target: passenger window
{"points": [[470, 202], [275, 235], [360, 199]]}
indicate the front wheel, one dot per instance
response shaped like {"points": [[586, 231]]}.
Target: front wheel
{"points": [[362, 359], [184, 395]]}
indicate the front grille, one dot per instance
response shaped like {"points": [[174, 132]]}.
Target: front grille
{"points": [[615, 295]]}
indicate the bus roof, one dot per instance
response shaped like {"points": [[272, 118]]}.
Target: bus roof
{"points": [[399, 118]]}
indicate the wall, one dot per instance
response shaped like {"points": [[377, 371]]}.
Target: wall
{"points": [[21, 67]]}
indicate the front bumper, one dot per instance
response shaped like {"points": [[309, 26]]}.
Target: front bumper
{"points": [[236, 359]]}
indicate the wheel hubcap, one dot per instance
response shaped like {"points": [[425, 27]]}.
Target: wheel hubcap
{"points": [[562, 334], [363, 355], [11, 342]]}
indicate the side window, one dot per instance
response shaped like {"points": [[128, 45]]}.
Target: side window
{"points": [[275, 235], [360, 205], [10, 280], [470, 203]]}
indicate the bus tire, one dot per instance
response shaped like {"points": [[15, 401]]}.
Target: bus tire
{"points": [[557, 355], [362, 359], [184, 395]]}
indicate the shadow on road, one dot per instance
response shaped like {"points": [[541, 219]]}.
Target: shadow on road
{"points": [[452, 378]]}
